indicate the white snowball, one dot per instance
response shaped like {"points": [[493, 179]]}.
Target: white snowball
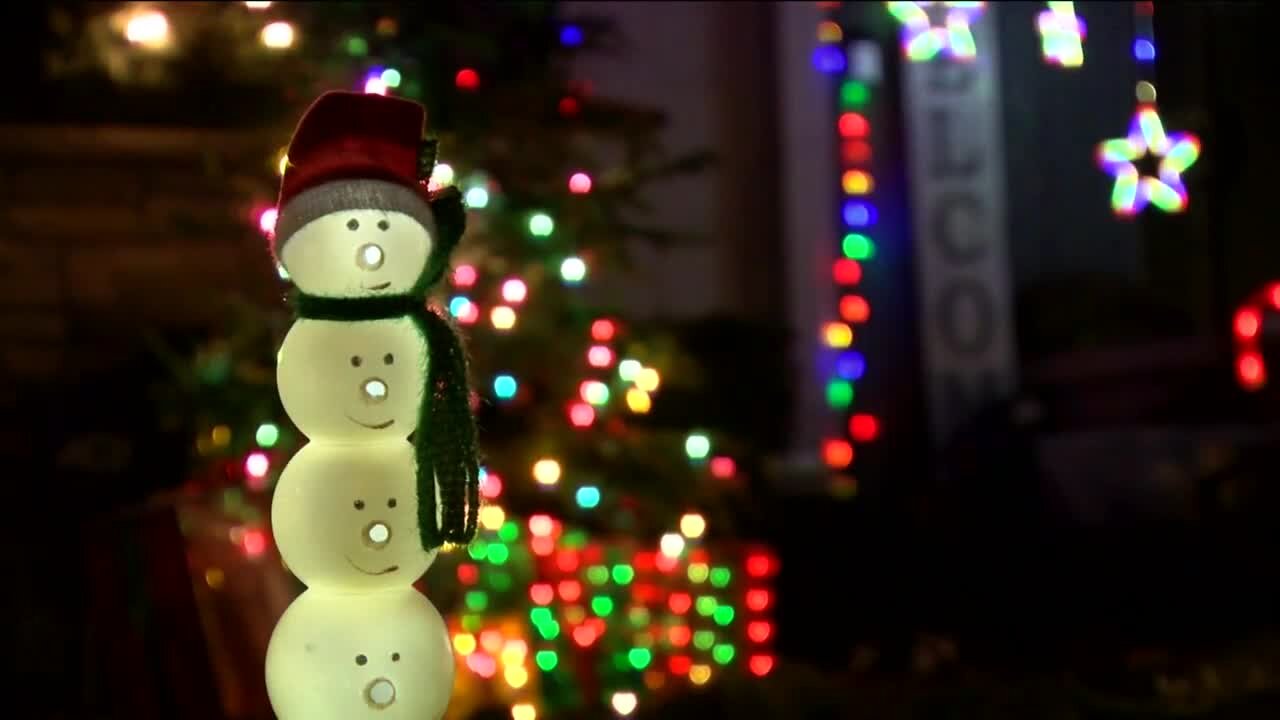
{"points": [[383, 656], [353, 381], [327, 257], [345, 517]]}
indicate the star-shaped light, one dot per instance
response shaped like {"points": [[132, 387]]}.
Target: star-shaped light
{"points": [[1176, 152], [1061, 33], [922, 40]]}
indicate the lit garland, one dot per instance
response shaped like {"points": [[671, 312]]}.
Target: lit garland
{"points": [[634, 620], [1251, 369], [1176, 152], [1062, 34], [931, 29], [858, 215]]}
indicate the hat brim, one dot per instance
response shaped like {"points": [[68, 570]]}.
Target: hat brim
{"points": [[314, 203]]}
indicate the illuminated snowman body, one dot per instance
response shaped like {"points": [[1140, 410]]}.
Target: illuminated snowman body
{"points": [[345, 517], [361, 641], [361, 236], [381, 655], [353, 382]]}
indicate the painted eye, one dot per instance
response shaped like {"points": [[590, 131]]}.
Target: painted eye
{"points": [[395, 657], [355, 361], [391, 503], [359, 504], [360, 659], [388, 358], [383, 224], [353, 224]]}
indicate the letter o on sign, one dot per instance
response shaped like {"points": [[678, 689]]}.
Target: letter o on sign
{"points": [[965, 312]]}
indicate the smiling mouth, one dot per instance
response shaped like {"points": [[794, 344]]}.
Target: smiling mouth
{"points": [[389, 569], [379, 426], [379, 286]]}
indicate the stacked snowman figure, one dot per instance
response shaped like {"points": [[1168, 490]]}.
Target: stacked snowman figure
{"points": [[377, 382]]}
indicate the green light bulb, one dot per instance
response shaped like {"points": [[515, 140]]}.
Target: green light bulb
{"points": [[357, 46], [697, 446], [839, 393], [498, 553], [723, 654], [546, 660], [723, 615], [267, 435], [541, 225], [602, 605], [509, 531], [720, 576], [639, 658], [623, 574], [853, 94]]}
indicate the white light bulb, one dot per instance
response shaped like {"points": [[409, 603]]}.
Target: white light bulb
{"points": [[671, 545], [375, 390], [370, 257]]}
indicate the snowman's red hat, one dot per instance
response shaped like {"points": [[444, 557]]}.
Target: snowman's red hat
{"points": [[354, 151]]}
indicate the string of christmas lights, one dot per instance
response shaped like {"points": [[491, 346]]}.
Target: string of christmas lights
{"points": [[1251, 368], [1147, 142], [619, 617], [855, 247], [937, 29], [1062, 34]]}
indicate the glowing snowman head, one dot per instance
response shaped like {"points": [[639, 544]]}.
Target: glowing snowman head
{"points": [[353, 381], [355, 238], [346, 517], [382, 655]]}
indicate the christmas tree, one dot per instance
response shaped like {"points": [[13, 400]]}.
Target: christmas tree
{"points": [[608, 566]]}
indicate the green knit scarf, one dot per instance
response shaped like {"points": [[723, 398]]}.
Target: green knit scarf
{"points": [[444, 443]]}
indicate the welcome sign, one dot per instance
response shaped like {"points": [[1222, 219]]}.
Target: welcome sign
{"points": [[956, 156]]}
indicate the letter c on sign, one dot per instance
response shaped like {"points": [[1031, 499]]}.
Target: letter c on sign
{"points": [[957, 225]]}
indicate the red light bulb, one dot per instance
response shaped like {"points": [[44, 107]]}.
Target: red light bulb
{"points": [[761, 665], [846, 272], [837, 454], [603, 330], [864, 428], [467, 79], [1248, 322], [853, 125], [1251, 371], [541, 593]]}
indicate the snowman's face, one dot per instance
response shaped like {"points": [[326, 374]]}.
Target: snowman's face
{"points": [[357, 253], [346, 517], [353, 381], [343, 657]]}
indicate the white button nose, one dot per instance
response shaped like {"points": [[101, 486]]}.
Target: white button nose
{"points": [[374, 390], [370, 257], [377, 534], [381, 693]]}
